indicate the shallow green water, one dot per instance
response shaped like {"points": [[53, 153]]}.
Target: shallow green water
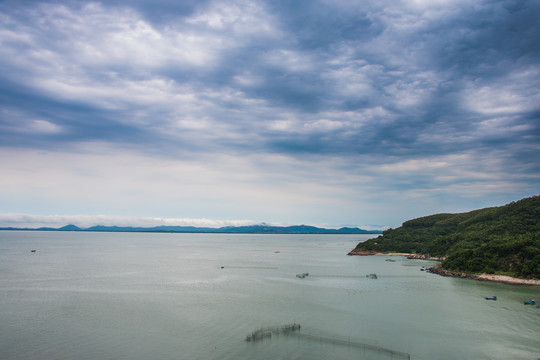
{"points": [[166, 296]]}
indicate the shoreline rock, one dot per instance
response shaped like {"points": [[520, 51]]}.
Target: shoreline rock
{"points": [[362, 252], [483, 277], [425, 257], [449, 273]]}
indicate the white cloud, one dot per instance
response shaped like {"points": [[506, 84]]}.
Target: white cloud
{"points": [[324, 125], [85, 221], [101, 179], [290, 60], [511, 93], [247, 18], [471, 168], [501, 126], [44, 126], [17, 122], [76, 53], [496, 101]]}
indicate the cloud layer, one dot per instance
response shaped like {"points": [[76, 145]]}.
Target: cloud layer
{"points": [[306, 111]]}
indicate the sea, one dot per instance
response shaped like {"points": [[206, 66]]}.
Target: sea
{"points": [[105, 295]]}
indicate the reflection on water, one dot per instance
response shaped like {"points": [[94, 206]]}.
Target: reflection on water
{"points": [[197, 296]]}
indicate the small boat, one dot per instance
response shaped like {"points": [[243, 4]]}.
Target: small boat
{"points": [[491, 298], [530, 302]]}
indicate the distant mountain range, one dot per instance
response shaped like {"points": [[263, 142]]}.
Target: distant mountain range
{"points": [[253, 229]]}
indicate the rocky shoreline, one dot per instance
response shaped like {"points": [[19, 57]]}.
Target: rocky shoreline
{"points": [[443, 272], [483, 277], [425, 257], [363, 252]]}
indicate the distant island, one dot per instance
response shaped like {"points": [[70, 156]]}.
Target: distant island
{"points": [[253, 229], [501, 240]]}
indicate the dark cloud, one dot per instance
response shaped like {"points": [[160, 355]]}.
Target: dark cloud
{"points": [[407, 84], [322, 26], [437, 58], [62, 122], [495, 38]]}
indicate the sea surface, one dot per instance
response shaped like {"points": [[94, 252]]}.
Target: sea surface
{"points": [[89, 295]]}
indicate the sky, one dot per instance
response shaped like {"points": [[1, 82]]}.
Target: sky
{"points": [[216, 113]]}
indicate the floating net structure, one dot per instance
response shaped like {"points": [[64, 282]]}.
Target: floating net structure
{"points": [[266, 332], [294, 331], [393, 354]]}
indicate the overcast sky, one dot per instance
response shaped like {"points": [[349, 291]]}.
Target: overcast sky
{"points": [[330, 113]]}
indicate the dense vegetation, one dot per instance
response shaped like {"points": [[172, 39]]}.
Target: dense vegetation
{"points": [[498, 240]]}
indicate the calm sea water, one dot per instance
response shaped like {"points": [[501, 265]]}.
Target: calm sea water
{"points": [[197, 296]]}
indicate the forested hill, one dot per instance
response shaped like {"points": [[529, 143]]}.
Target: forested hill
{"points": [[498, 240]]}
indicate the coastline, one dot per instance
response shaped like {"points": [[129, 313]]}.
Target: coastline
{"points": [[483, 277], [443, 272], [361, 252]]}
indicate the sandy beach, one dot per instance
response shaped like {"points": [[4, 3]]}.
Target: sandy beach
{"points": [[507, 279], [484, 277]]}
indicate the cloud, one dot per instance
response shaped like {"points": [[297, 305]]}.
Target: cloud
{"points": [[91, 179], [85, 221], [139, 74], [274, 107]]}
